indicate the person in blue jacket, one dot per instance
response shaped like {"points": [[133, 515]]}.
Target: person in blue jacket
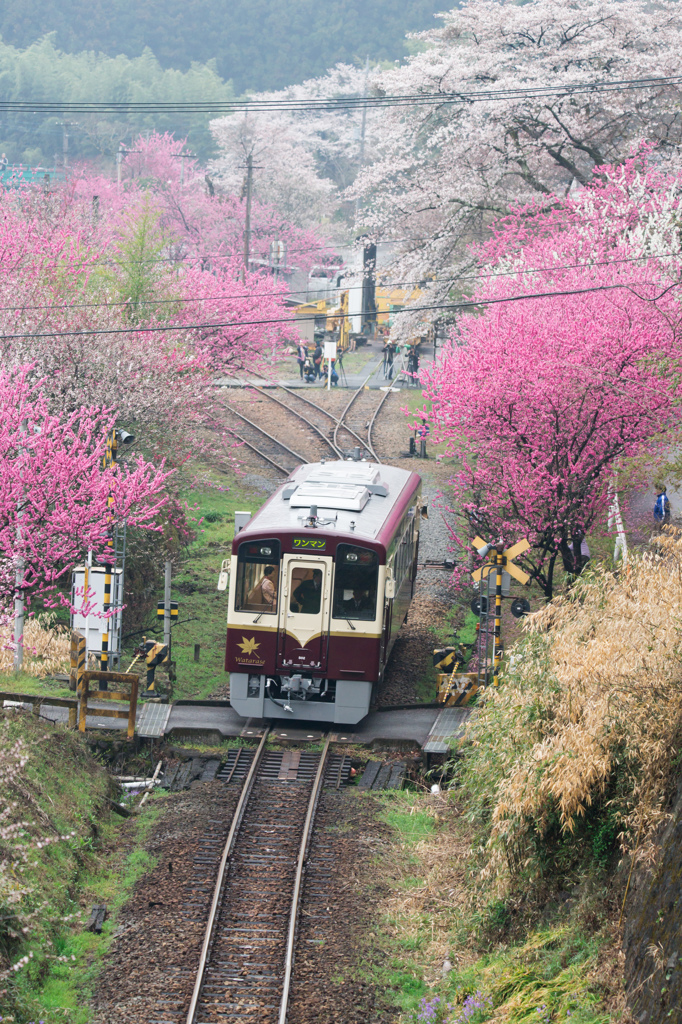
{"points": [[661, 508]]}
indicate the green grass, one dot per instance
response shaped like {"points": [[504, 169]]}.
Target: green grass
{"points": [[202, 610], [546, 977], [67, 988], [21, 682], [406, 816], [63, 790], [542, 978]]}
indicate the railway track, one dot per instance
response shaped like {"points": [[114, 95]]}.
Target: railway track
{"points": [[247, 957], [335, 443], [338, 441], [268, 446]]}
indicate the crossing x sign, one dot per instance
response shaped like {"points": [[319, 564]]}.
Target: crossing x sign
{"points": [[512, 552]]}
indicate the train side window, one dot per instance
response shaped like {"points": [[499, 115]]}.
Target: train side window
{"points": [[257, 577], [355, 583]]}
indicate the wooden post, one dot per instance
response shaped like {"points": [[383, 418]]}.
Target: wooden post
{"points": [[132, 710], [83, 703], [73, 718]]}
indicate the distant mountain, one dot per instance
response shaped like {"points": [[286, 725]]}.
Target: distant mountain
{"points": [[259, 44]]}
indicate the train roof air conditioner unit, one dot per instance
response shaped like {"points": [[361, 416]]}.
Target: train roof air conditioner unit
{"points": [[348, 496]]}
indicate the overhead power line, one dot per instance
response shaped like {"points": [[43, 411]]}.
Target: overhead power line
{"points": [[168, 328], [188, 300], [338, 103]]}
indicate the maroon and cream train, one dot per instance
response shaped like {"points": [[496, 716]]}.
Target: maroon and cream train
{"points": [[321, 579]]}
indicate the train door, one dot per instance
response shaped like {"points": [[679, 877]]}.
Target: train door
{"points": [[386, 633], [304, 613]]}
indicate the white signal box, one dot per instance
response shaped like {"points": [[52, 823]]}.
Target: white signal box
{"points": [[93, 624]]}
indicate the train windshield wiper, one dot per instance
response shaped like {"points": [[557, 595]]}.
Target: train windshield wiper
{"points": [[350, 624], [257, 618]]}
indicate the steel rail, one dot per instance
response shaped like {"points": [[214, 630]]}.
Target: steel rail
{"points": [[302, 856], [345, 411], [281, 444], [228, 780], [262, 454], [217, 892], [373, 419], [319, 408], [298, 415]]}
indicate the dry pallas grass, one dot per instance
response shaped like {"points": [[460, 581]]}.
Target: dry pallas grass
{"points": [[46, 647], [589, 711]]}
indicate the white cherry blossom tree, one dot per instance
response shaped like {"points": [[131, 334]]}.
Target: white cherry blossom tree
{"points": [[447, 167]]}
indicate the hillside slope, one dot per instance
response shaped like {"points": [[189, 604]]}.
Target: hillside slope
{"points": [[259, 44]]}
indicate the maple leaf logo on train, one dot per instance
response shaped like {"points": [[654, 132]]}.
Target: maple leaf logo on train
{"points": [[247, 645]]}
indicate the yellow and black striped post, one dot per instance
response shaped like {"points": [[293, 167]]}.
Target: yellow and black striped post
{"points": [[77, 659], [499, 562], [106, 607]]}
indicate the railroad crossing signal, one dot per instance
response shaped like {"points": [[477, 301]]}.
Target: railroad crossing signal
{"points": [[512, 552], [500, 562], [161, 610]]}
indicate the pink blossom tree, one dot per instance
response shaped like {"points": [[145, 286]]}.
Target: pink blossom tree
{"points": [[56, 500], [108, 311], [542, 399], [201, 215]]}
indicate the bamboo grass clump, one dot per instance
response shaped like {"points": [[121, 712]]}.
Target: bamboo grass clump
{"points": [[591, 702], [46, 646]]}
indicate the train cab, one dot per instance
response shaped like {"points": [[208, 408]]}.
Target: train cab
{"points": [[321, 579]]}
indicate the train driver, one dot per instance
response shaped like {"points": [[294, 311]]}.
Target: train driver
{"points": [[359, 605]]}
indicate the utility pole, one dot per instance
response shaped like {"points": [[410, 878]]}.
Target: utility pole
{"points": [[167, 610], [19, 572], [19, 611], [182, 157], [65, 143], [247, 223], [119, 163]]}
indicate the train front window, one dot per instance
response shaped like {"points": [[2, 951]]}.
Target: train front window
{"points": [[355, 583], [257, 577], [306, 591]]}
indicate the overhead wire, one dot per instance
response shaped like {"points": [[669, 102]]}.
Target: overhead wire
{"points": [[198, 257], [340, 102], [213, 325], [519, 272]]}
